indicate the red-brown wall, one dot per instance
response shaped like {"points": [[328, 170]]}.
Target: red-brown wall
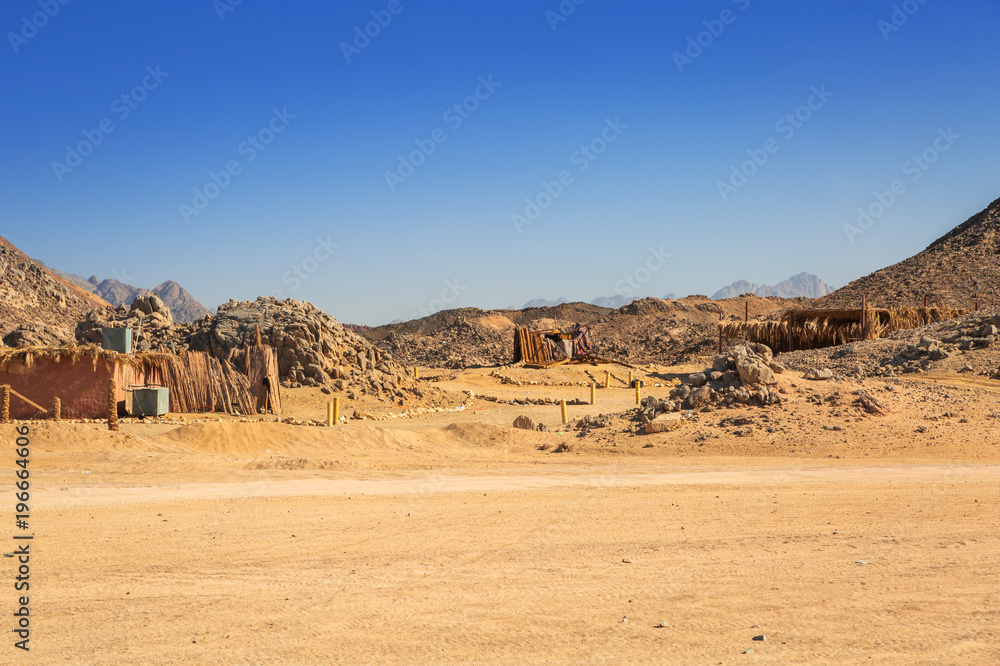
{"points": [[82, 389]]}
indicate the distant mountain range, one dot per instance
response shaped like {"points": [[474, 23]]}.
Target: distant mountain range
{"points": [[183, 306], [803, 285]]}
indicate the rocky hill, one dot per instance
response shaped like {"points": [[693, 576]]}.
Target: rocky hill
{"points": [[644, 331], [959, 268], [803, 285], [37, 307]]}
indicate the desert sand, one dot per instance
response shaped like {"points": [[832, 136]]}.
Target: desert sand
{"points": [[450, 537]]}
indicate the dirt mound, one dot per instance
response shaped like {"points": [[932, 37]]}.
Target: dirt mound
{"points": [[36, 306], [957, 269]]}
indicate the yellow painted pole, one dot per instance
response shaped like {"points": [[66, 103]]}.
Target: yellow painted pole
{"points": [[607, 379], [562, 408], [593, 393], [336, 411], [638, 394], [630, 378], [415, 372], [329, 414]]}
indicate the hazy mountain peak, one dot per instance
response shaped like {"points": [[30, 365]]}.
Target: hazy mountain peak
{"points": [[803, 285]]}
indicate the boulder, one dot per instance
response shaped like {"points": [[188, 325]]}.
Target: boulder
{"points": [[754, 370], [699, 398], [816, 374], [524, 423], [721, 363], [680, 392]]}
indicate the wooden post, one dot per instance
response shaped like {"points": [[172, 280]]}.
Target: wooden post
{"points": [[864, 311], [791, 346], [607, 379], [56, 409], [415, 373], [562, 408], [5, 407], [593, 393], [112, 406]]}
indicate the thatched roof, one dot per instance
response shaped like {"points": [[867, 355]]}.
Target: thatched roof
{"points": [[815, 329]]}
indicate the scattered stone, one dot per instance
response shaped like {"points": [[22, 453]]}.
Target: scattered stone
{"points": [[524, 423], [817, 374], [654, 427], [663, 624], [870, 403], [748, 651], [762, 637]]}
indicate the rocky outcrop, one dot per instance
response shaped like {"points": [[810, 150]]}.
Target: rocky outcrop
{"points": [[722, 385], [313, 348]]}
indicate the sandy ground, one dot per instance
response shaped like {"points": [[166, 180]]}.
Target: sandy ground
{"points": [[451, 537]]}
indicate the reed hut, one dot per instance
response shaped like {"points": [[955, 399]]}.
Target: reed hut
{"points": [[546, 349], [815, 329], [245, 382]]}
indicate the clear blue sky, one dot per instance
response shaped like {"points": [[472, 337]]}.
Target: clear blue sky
{"points": [[554, 85]]}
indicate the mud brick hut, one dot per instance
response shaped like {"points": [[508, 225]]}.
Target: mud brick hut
{"points": [[245, 382]]}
